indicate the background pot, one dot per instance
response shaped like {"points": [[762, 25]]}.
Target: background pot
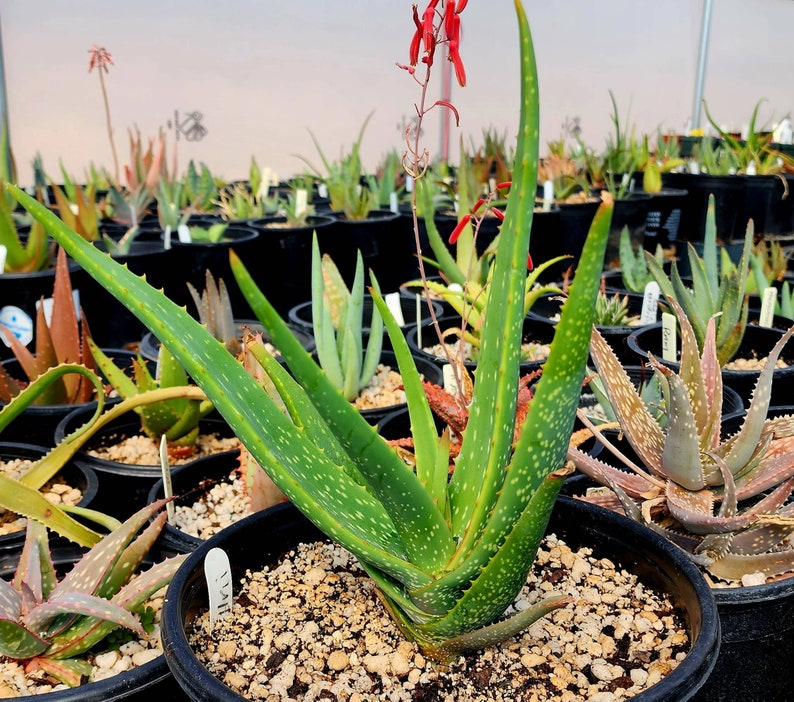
{"points": [[387, 248], [283, 263], [630, 211], [757, 342], [151, 681], [81, 477], [191, 262], [123, 488], [276, 530], [664, 218]]}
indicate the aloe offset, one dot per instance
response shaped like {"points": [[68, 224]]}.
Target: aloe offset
{"points": [[448, 555]]}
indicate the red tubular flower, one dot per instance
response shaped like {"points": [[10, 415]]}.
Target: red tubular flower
{"points": [[478, 205], [505, 185], [530, 265], [413, 51], [429, 27], [498, 214], [449, 18], [457, 62], [453, 237]]}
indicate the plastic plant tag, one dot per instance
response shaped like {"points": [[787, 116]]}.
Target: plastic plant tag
{"points": [[492, 183], [768, 300], [548, 195], [167, 237], [218, 573], [3, 253], [392, 301], [409, 184], [301, 201], [168, 491], [183, 233], [450, 382], [18, 322], [393, 204], [48, 302], [322, 190], [650, 303], [669, 352]]}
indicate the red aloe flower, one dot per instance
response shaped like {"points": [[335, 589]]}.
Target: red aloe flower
{"points": [[100, 58]]}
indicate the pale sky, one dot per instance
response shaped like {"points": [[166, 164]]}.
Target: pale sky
{"points": [[263, 73]]}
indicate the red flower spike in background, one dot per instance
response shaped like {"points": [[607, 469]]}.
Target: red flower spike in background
{"points": [[453, 237], [100, 58]]}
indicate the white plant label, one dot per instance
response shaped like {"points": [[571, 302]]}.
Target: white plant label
{"points": [[322, 190], [168, 490], [3, 254], [18, 322], [301, 201], [392, 301], [167, 237], [394, 206], [218, 572], [409, 184], [450, 383], [183, 233], [48, 302], [419, 320], [768, 300], [669, 352], [548, 195], [492, 183], [650, 303]]}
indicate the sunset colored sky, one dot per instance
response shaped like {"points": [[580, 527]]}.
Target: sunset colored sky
{"points": [[262, 73]]}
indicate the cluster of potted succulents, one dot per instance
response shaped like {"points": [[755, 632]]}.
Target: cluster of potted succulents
{"points": [[449, 541]]}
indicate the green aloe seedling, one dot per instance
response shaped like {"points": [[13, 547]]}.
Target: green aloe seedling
{"points": [[51, 625], [633, 266], [177, 418], [716, 290], [723, 499], [34, 254], [337, 319], [448, 553]]}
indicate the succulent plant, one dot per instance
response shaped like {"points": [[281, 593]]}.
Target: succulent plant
{"points": [[34, 254], [633, 266], [722, 499], [348, 358], [177, 418], [448, 554], [51, 625], [61, 340], [717, 291], [611, 310], [215, 311]]}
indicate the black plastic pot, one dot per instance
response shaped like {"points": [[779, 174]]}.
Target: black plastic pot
{"points": [[547, 308], [575, 221], [630, 211], [188, 483], [419, 338], [728, 191], [387, 248], [191, 262], [757, 342], [111, 323], [123, 488], [663, 218], [277, 530], [151, 681], [546, 242], [769, 202], [81, 477], [284, 259]]}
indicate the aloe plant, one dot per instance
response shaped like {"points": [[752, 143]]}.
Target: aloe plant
{"points": [[51, 625], [178, 418], [724, 499], [448, 555], [337, 320], [23, 256], [634, 269], [716, 290], [61, 340]]}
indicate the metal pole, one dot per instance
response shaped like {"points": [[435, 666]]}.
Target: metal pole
{"points": [[704, 45]]}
